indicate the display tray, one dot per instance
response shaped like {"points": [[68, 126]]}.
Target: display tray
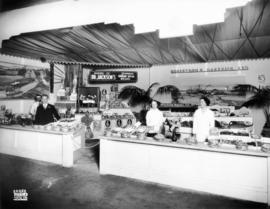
{"points": [[200, 146], [222, 118], [237, 138], [185, 130], [83, 110], [65, 102]]}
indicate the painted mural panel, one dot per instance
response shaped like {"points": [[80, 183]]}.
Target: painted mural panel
{"points": [[23, 82], [225, 83]]}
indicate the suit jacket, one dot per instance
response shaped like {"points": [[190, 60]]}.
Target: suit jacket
{"points": [[45, 116]]}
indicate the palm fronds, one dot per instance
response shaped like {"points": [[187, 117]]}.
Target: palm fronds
{"points": [[137, 96], [242, 89], [139, 100], [130, 91], [134, 95], [260, 100], [173, 90], [150, 89], [168, 89]]}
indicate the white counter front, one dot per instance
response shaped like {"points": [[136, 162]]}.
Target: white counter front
{"points": [[49, 146], [228, 172]]}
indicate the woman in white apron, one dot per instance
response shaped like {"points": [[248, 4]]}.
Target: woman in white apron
{"points": [[203, 120]]}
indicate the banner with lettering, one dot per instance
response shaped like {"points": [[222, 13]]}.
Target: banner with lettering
{"points": [[112, 77]]}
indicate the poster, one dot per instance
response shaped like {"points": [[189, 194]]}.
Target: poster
{"points": [[23, 82]]}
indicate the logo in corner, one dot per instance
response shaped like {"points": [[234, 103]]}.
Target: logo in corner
{"points": [[20, 195]]}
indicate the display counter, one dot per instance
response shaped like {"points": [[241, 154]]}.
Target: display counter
{"points": [[109, 119], [222, 171], [50, 146]]}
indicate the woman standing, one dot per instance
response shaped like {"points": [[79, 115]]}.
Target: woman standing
{"points": [[154, 118], [203, 120], [35, 105]]}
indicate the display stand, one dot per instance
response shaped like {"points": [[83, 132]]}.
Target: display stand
{"points": [[228, 172], [88, 99], [49, 146]]}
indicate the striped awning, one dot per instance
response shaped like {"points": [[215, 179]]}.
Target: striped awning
{"points": [[245, 34], [101, 65]]}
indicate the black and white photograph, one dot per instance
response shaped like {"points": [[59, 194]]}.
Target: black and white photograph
{"points": [[124, 104]]}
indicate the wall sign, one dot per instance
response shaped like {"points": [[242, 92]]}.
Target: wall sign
{"points": [[223, 109], [213, 69], [113, 77]]}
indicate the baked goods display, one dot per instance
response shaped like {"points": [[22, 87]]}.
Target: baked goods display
{"points": [[169, 114], [234, 133], [230, 133], [240, 145], [159, 137], [228, 128], [9, 118], [114, 116], [63, 125], [265, 148], [188, 124], [129, 131], [213, 142], [190, 140]]}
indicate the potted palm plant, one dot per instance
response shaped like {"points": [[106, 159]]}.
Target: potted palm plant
{"points": [[140, 99], [169, 89], [259, 103], [243, 89]]}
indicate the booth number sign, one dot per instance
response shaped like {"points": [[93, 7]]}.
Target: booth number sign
{"points": [[113, 77]]}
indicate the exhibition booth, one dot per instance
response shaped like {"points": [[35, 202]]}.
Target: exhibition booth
{"points": [[127, 149], [99, 94]]}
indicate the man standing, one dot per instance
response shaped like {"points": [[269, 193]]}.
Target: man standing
{"points": [[46, 113]]}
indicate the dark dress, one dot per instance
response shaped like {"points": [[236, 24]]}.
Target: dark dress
{"points": [[45, 116]]}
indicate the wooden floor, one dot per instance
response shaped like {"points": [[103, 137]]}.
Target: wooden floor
{"points": [[52, 186]]}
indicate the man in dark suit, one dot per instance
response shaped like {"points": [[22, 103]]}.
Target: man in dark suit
{"points": [[46, 113]]}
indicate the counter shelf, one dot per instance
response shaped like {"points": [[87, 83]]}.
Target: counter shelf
{"points": [[45, 145], [221, 171]]}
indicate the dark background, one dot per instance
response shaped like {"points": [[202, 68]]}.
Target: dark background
{"points": [[6, 5]]}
